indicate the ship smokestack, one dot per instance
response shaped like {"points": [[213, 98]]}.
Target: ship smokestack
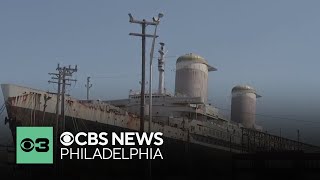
{"points": [[243, 105], [192, 76]]}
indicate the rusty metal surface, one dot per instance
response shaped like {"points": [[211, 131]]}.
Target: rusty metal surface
{"points": [[25, 107]]}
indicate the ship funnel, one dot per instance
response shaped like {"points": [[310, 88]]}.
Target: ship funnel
{"points": [[243, 105], [192, 76]]}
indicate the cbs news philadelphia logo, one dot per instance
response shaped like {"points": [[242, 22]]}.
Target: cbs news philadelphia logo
{"points": [[34, 145]]}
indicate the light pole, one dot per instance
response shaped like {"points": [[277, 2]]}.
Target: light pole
{"points": [[157, 20], [143, 34]]}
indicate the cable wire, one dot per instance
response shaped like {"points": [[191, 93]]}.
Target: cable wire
{"points": [[120, 76]]}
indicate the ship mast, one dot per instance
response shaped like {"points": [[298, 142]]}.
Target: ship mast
{"points": [[161, 69], [88, 86]]}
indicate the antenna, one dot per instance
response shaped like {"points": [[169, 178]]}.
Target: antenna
{"points": [[88, 86]]}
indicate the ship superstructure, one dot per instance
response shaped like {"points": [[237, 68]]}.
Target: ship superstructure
{"points": [[185, 116]]}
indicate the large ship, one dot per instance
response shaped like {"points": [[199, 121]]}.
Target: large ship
{"points": [[197, 137]]}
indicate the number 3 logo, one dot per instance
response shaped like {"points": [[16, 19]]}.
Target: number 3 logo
{"points": [[43, 145]]}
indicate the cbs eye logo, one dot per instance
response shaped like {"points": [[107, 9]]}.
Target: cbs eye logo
{"points": [[66, 138], [40, 145]]}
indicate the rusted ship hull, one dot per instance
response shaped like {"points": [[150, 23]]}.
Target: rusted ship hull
{"points": [[180, 157], [27, 107], [185, 152]]}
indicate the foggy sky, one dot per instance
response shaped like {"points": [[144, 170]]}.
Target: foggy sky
{"points": [[270, 45]]}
